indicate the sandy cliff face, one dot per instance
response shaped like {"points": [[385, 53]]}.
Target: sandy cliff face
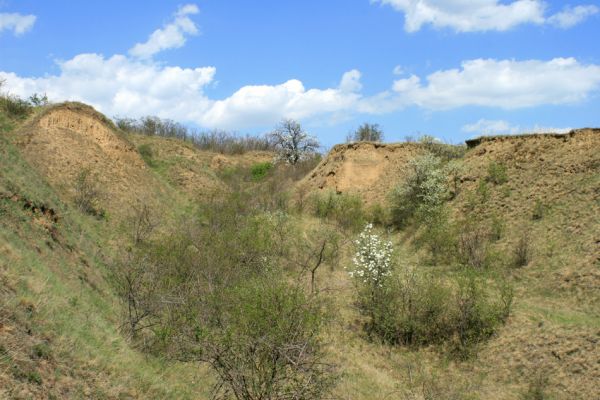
{"points": [[68, 138], [369, 170]]}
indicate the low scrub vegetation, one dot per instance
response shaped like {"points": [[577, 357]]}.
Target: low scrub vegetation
{"points": [[496, 173], [193, 296], [342, 208], [217, 140], [366, 133], [424, 190], [408, 306]]}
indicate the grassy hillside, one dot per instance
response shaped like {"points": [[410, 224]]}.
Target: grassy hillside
{"points": [[62, 318]]}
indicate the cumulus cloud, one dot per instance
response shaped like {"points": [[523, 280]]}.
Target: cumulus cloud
{"points": [[572, 16], [507, 84], [501, 127], [171, 36], [482, 15], [136, 85], [17, 23], [121, 85]]}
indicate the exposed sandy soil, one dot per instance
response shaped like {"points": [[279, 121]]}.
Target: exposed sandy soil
{"points": [[67, 138], [192, 170], [367, 169]]}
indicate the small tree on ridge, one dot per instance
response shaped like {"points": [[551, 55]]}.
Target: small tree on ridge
{"points": [[292, 142]]}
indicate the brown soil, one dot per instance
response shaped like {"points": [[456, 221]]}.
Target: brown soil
{"points": [[65, 139], [367, 169], [192, 170]]}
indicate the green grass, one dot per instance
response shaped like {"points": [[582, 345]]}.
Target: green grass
{"points": [[74, 322]]}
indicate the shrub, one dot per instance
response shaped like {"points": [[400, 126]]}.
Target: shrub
{"points": [[455, 170], [497, 228], [539, 209], [522, 252], [496, 173], [438, 236], [87, 194], [483, 192], [473, 247], [259, 171], [147, 153], [440, 149], [264, 343], [422, 193], [414, 308], [366, 133], [345, 209], [378, 215], [537, 387], [14, 106], [373, 259]]}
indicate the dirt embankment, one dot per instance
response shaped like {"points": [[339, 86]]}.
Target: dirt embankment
{"points": [[65, 139], [367, 169]]}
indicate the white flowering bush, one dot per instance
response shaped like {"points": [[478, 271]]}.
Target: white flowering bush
{"points": [[423, 192], [373, 259]]}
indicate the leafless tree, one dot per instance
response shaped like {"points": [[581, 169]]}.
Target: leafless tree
{"points": [[292, 142]]}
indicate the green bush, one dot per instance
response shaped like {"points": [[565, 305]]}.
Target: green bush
{"points": [[147, 153], [422, 193], [263, 341], [345, 209], [15, 107], [496, 173], [414, 308], [418, 309], [260, 170], [439, 237], [539, 210], [378, 215]]}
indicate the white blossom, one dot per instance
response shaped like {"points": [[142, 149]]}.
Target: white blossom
{"points": [[373, 258]]}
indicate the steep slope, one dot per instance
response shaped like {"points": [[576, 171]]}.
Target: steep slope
{"points": [[63, 140], [189, 169], [59, 316], [552, 197], [554, 329], [367, 169]]}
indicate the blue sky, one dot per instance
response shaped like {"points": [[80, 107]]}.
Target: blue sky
{"points": [[450, 68]]}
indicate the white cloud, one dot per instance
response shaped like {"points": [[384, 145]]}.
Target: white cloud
{"points": [[126, 86], [171, 36], [398, 70], [490, 127], [482, 15], [266, 104], [17, 23], [351, 82], [121, 86], [572, 16], [136, 85], [507, 84], [501, 127]]}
